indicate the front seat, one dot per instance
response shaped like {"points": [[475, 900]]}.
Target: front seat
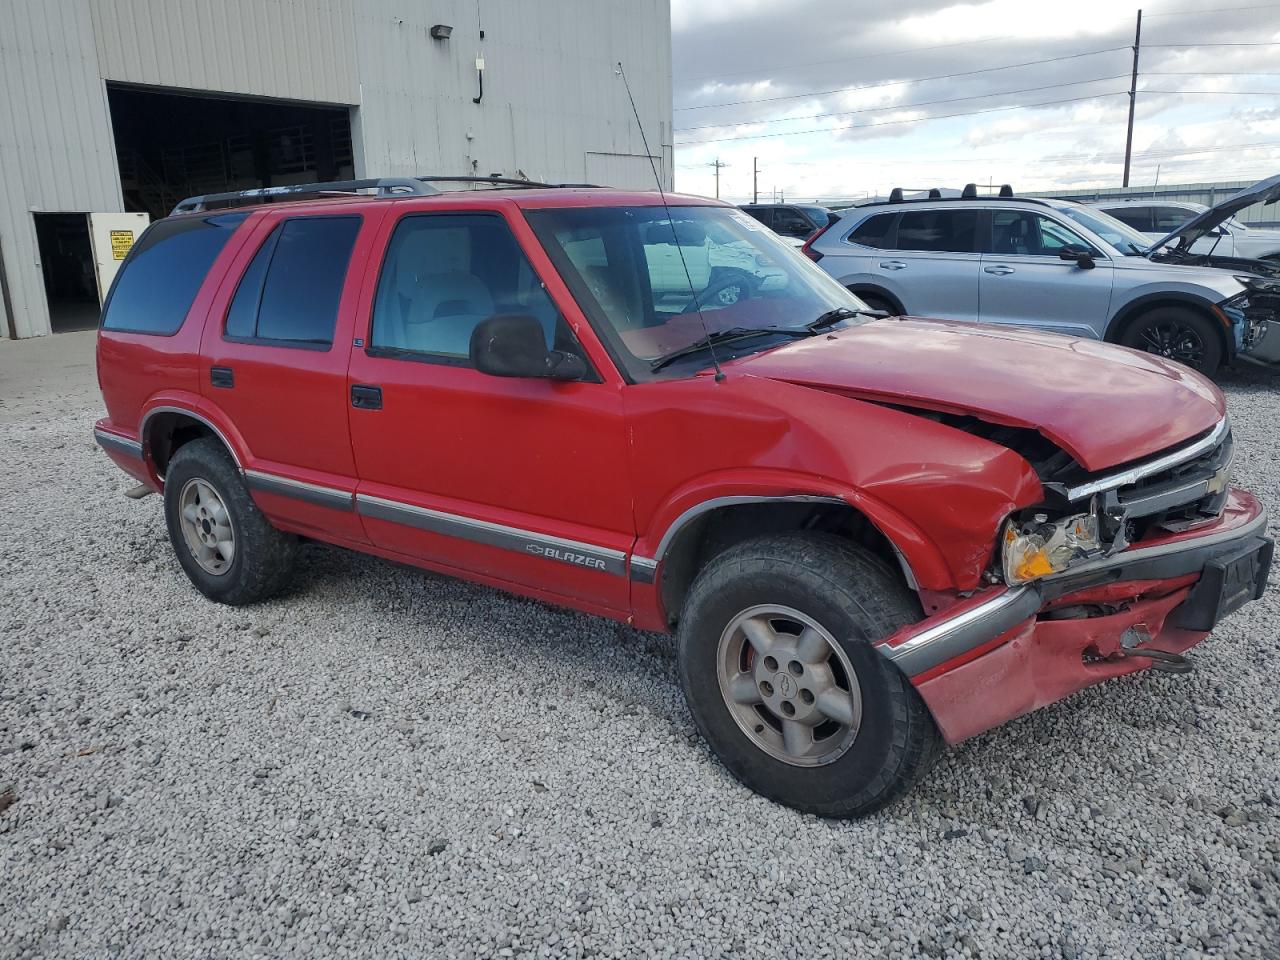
{"points": [[442, 311]]}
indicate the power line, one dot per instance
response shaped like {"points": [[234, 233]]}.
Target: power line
{"points": [[886, 123], [893, 83], [899, 106], [1218, 93], [1215, 11], [859, 57]]}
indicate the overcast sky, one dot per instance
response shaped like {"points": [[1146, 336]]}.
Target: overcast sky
{"points": [[834, 96]]}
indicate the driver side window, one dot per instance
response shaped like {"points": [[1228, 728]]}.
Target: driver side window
{"points": [[445, 273]]}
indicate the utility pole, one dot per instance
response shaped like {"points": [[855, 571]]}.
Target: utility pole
{"points": [[717, 164], [1133, 99], [755, 179]]}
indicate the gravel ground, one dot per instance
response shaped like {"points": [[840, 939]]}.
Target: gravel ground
{"points": [[388, 763]]}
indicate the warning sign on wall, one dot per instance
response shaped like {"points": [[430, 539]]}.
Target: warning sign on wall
{"points": [[121, 241]]}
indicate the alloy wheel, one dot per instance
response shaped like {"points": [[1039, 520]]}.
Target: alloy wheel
{"points": [[206, 526], [1176, 341], [788, 685]]}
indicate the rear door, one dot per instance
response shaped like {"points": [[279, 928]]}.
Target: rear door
{"points": [[274, 361], [516, 482], [934, 264], [1024, 282]]}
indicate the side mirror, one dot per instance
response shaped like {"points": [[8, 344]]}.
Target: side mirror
{"points": [[1077, 254], [514, 345]]}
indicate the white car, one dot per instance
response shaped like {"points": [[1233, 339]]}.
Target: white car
{"points": [[1230, 238]]}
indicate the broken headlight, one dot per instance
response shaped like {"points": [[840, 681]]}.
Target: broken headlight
{"points": [[1036, 546]]}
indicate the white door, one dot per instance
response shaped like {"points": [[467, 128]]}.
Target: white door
{"points": [[112, 236]]}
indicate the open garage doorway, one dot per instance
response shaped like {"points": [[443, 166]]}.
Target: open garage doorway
{"points": [[176, 145]]}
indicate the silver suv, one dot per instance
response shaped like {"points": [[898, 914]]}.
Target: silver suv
{"points": [[1055, 265]]}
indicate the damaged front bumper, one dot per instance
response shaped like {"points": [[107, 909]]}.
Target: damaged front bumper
{"points": [[1010, 650]]}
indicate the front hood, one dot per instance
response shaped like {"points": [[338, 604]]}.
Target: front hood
{"points": [[1104, 405], [1264, 191]]}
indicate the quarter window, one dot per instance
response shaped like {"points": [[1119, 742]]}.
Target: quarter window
{"points": [[443, 274], [289, 293], [791, 223], [940, 231], [163, 273], [876, 232]]}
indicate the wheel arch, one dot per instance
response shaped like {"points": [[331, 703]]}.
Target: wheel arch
{"points": [[871, 289], [165, 428], [711, 526]]}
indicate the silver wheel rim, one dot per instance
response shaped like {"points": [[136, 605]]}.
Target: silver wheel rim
{"points": [[206, 526], [788, 685]]}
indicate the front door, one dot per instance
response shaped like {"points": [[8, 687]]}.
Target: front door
{"points": [[519, 483], [1025, 282]]}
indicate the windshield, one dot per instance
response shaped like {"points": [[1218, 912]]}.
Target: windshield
{"points": [[644, 274], [1119, 236]]}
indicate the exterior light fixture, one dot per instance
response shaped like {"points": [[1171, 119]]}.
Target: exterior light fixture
{"points": [[441, 31]]}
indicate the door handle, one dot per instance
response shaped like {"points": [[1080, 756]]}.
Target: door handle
{"points": [[893, 265], [366, 397], [1000, 270], [222, 377]]}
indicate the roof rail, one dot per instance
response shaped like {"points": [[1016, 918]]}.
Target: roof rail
{"points": [[935, 193], [505, 181], [1006, 190], [970, 191], [895, 195], [386, 186]]}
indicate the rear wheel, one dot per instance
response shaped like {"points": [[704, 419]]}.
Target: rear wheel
{"points": [[875, 302], [1177, 334], [223, 542], [777, 664]]}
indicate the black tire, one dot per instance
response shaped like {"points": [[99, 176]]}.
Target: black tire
{"points": [[857, 600], [1176, 334], [263, 558], [876, 302]]}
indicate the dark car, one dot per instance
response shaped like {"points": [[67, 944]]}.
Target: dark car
{"points": [[798, 221]]}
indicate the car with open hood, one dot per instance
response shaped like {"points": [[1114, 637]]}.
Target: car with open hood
{"points": [[870, 536], [1053, 265]]}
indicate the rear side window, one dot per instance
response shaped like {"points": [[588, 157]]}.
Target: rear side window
{"points": [[1137, 217], [159, 281], [763, 214], [875, 231], [938, 231], [290, 291]]}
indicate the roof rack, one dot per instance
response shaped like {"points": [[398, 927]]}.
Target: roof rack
{"points": [[970, 192], [385, 186]]}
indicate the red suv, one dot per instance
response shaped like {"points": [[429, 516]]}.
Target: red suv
{"points": [[870, 536]]}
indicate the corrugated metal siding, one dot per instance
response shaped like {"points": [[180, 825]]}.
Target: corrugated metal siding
{"points": [[56, 149], [551, 93], [289, 49]]}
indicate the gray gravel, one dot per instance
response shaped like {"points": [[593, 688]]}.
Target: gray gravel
{"points": [[388, 763]]}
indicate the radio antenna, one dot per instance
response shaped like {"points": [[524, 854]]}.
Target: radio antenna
{"points": [[675, 239]]}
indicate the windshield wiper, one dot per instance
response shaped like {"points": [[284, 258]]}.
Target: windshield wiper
{"points": [[832, 317], [732, 335]]}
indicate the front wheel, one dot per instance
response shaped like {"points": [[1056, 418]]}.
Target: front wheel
{"points": [[1177, 334], [777, 664]]}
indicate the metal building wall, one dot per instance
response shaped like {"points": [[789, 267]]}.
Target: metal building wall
{"points": [[291, 49], [1206, 193], [56, 151], [553, 107]]}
